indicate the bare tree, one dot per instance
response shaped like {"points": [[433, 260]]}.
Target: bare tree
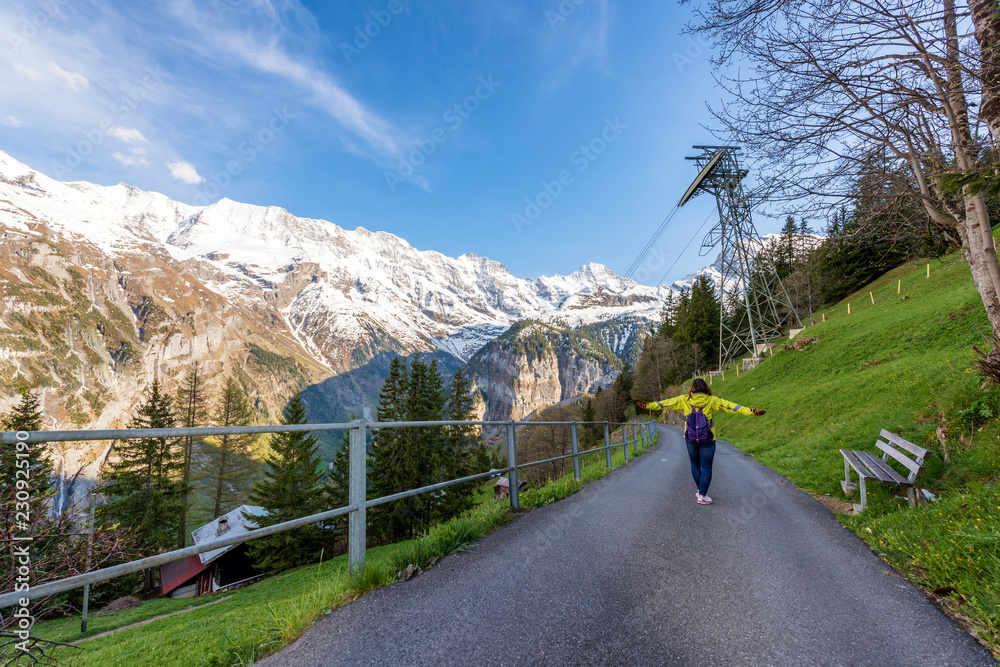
{"points": [[60, 546], [826, 87], [986, 18], [227, 469], [191, 403], [545, 441], [654, 364]]}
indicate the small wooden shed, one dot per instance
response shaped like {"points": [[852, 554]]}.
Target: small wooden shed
{"points": [[218, 569]]}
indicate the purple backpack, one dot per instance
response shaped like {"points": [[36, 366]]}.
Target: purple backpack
{"points": [[698, 427]]}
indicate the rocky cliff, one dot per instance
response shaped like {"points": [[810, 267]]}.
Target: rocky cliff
{"points": [[536, 364]]}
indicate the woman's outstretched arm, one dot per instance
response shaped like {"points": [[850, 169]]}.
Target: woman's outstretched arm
{"points": [[676, 403], [729, 406]]}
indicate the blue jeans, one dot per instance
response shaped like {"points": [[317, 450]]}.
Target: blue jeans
{"points": [[701, 464]]}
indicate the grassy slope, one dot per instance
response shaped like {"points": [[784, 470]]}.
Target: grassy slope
{"points": [[886, 365], [902, 364], [260, 619]]}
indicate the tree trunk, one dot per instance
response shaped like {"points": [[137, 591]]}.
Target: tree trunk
{"points": [[986, 17], [224, 451], [981, 273], [975, 208], [978, 237], [186, 481]]}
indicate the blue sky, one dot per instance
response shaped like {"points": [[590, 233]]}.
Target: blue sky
{"points": [[543, 134]]}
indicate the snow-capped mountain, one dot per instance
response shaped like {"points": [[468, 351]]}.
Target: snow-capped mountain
{"points": [[364, 289], [103, 289]]}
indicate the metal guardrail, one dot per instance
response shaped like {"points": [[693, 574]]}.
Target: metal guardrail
{"points": [[357, 485]]}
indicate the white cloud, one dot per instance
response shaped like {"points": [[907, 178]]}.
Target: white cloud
{"points": [[135, 156], [262, 45], [51, 72], [329, 96], [125, 134], [11, 121], [185, 171]]}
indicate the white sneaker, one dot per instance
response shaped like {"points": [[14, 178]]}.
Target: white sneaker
{"points": [[704, 500]]}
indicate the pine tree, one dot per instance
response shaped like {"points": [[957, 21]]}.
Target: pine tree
{"points": [[698, 322], [193, 413], [612, 404], [460, 439], [426, 447], [465, 453], [386, 459], [784, 252], [227, 468], [25, 416], [409, 458], [669, 319], [592, 431], [143, 484], [292, 487], [338, 484], [60, 544]]}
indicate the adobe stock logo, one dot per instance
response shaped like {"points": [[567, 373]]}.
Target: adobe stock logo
{"points": [[562, 12], [32, 24], [454, 117], [248, 150], [364, 34], [581, 158], [121, 108], [696, 48]]}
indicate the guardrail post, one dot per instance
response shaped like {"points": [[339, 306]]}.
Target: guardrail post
{"points": [[635, 439], [90, 549], [624, 443], [357, 491], [575, 444], [607, 444], [515, 496]]}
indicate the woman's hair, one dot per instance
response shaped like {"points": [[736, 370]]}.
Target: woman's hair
{"points": [[699, 386]]}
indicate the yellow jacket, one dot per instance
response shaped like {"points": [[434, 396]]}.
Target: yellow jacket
{"points": [[708, 405]]}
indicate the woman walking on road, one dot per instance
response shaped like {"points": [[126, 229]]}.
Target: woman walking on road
{"points": [[699, 433]]}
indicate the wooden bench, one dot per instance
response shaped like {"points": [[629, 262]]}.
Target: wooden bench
{"points": [[870, 466]]}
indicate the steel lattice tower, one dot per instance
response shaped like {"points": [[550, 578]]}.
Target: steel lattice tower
{"points": [[763, 306]]}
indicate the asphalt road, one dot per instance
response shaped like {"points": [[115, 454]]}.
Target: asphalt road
{"points": [[631, 571]]}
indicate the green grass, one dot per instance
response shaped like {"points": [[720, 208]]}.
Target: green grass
{"points": [[258, 620], [952, 547], [897, 365], [592, 466], [901, 364], [68, 629]]}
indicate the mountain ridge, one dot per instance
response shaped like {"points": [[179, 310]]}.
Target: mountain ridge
{"points": [[106, 288], [245, 242]]}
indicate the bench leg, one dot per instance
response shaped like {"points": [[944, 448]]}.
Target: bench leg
{"points": [[847, 485], [859, 508], [911, 496]]}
